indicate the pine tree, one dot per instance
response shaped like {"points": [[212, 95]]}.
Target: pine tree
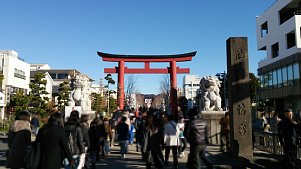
{"points": [[38, 102], [65, 90]]}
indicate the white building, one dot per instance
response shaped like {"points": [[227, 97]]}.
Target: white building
{"points": [[49, 84], [39, 67], [278, 33], [16, 75], [191, 88]]}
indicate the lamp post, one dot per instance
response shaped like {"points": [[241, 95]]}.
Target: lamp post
{"points": [[191, 94], [224, 76]]}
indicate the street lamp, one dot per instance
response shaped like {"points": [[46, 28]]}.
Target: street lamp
{"points": [[191, 94], [224, 76]]}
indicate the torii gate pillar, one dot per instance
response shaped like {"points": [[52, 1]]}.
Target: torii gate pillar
{"points": [[173, 89], [121, 84]]}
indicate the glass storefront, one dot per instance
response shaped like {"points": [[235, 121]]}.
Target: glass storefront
{"points": [[285, 76]]}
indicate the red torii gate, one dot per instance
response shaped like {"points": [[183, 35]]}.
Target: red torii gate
{"points": [[147, 59]]}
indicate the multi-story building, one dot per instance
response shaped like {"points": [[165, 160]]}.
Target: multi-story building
{"points": [[279, 34], [16, 74], [191, 88]]}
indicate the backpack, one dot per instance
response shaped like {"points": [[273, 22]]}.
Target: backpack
{"points": [[70, 139]]}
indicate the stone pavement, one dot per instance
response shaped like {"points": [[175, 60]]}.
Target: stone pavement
{"points": [[113, 160], [224, 160], [133, 160]]}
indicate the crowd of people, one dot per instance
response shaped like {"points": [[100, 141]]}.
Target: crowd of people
{"points": [[79, 142], [288, 129]]}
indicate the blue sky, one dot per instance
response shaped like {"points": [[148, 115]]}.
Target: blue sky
{"points": [[68, 33]]}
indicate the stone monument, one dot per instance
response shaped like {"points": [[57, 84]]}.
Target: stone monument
{"points": [[79, 98], [239, 97], [210, 106]]}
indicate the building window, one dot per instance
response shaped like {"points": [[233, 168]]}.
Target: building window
{"points": [[270, 83], [53, 75], [265, 81], [275, 81], [275, 50], [62, 76], [279, 77], [290, 76], [296, 72], [284, 76], [264, 29], [290, 39], [261, 81]]}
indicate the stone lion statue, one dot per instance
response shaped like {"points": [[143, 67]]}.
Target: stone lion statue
{"points": [[210, 98]]}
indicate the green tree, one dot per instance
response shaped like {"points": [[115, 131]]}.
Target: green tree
{"points": [[64, 89], [254, 86], [1, 80], [110, 80], [98, 103], [19, 102], [113, 105], [38, 100]]}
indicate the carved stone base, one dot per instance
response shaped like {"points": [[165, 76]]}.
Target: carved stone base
{"points": [[214, 128], [69, 109]]}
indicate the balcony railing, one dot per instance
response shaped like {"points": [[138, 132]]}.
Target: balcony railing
{"points": [[269, 142]]}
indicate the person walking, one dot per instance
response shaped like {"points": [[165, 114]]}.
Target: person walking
{"points": [[123, 136], [171, 140], [75, 137], [108, 136], [54, 146], [94, 135], [225, 132], [196, 134], [19, 140], [183, 142], [35, 124], [288, 133], [83, 162], [153, 144]]}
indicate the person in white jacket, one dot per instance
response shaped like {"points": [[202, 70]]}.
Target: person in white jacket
{"points": [[171, 140]]}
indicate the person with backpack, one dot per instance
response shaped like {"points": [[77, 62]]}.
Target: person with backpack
{"points": [[74, 134], [19, 140], [54, 146], [288, 132]]}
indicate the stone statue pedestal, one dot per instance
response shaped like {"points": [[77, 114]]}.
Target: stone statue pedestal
{"points": [[214, 128], [69, 109]]}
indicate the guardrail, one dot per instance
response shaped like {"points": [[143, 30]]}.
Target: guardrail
{"points": [[269, 142]]}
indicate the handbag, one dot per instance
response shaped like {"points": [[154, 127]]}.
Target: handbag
{"points": [[32, 159]]}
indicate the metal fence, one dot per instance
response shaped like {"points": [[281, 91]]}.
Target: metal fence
{"points": [[269, 142]]}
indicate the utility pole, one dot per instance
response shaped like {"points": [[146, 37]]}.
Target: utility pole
{"points": [[191, 94]]}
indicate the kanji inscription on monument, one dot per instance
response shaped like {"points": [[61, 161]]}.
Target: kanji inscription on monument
{"points": [[239, 97]]}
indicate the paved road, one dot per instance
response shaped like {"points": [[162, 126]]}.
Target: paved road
{"points": [[112, 161], [133, 160]]}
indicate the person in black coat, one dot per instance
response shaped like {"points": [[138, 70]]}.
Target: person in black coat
{"points": [[196, 133], [19, 140], [153, 144], [288, 132], [54, 145], [123, 136], [73, 126], [94, 135]]}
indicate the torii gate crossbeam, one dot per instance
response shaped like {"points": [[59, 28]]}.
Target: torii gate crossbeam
{"points": [[173, 70]]}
